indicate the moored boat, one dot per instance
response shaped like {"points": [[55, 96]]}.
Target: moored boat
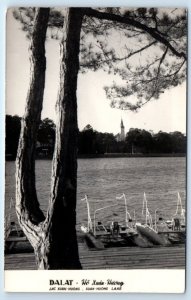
{"points": [[173, 229], [147, 229], [14, 235], [151, 234], [114, 234]]}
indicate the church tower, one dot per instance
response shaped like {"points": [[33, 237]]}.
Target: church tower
{"points": [[122, 131], [120, 137]]}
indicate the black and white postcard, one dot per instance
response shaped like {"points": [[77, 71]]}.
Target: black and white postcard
{"points": [[95, 196]]}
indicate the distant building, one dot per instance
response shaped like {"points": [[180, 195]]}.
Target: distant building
{"points": [[120, 137]]}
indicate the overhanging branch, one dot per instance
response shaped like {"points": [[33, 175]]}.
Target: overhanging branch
{"points": [[128, 21]]}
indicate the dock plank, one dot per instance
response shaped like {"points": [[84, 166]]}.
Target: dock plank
{"points": [[112, 258]]}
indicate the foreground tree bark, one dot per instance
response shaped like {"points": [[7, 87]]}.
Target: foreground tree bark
{"points": [[61, 249], [54, 238], [27, 206]]}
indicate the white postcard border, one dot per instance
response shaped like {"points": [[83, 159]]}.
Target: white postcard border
{"points": [[96, 281]]}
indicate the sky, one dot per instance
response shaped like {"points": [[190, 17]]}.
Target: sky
{"points": [[166, 114]]}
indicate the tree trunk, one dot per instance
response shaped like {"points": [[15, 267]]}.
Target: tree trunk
{"points": [[60, 248], [54, 238], [27, 205]]}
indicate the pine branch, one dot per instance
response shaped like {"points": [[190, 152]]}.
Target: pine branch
{"points": [[132, 22]]}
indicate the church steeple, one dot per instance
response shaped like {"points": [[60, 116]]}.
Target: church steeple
{"points": [[122, 131], [122, 126], [120, 137]]}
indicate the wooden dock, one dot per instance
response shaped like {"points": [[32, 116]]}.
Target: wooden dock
{"points": [[172, 257]]}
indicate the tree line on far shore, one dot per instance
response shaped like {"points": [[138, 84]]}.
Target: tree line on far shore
{"points": [[92, 142]]}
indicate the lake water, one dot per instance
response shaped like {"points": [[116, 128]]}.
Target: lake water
{"points": [[105, 178]]}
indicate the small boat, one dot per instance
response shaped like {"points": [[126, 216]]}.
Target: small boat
{"points": [[151, 235], [178, 222], [13, 236], [136, 239], [175, 229], [13, 233], [114, 234], [147, 230]]}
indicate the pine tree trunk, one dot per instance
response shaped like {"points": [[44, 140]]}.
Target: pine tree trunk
{"points": [[60, 248], [54, 237], [27, 205]]}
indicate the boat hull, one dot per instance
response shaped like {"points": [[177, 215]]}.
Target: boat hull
{"points": [[151, 235]]}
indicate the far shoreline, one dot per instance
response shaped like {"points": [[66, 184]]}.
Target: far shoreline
{"points": [[113, 155], [121, 155]]}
